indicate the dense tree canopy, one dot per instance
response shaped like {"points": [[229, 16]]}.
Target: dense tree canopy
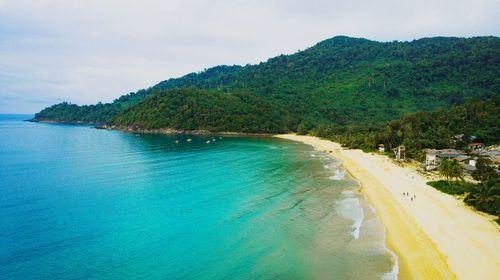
{"points": [[485, 170], [99, 113], [340, 82], [476, 120], [192, 109]]}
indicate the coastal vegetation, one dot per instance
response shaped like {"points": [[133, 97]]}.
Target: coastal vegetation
{"points": [[451, 169], [484, 196], [99, 113], [485, 170], [340, 86], [476, 120], [453, 188], [195, 109]]}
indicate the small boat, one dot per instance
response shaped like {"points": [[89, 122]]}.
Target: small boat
{"points": [[189, 139], [208, 141]]}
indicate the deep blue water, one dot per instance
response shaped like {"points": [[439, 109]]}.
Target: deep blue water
{"points": [[83, 203]]}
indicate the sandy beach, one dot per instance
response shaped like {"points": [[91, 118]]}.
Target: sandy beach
{"points": [[435, 235]]}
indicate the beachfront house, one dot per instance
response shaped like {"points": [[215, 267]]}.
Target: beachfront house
{"points": [[495, 160], [433, 157], [493, 153], [381, 148], [475, 146], [471, 162], [400, 152], [430, 159]]}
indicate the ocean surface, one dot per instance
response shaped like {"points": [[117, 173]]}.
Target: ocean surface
{"points": [[83, 203]]}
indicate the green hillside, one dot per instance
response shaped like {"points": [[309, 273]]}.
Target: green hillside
{"points": [[195, 109], [475, 120], [341, 82]]}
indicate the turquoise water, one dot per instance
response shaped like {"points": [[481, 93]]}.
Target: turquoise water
{"points": [[83, 203]]}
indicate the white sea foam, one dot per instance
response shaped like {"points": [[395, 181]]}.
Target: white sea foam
{"points": [[337, 175], [350, 208], [393, 274], [373, 210]]}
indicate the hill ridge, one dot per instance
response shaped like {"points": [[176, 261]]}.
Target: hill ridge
{"points": [[341, 81]]}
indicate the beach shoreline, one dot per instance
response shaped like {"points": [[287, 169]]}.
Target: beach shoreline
{"points": [[156, 131], [434, 235]]}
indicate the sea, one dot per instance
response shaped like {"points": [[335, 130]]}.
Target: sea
{"points": [[78, 202]]}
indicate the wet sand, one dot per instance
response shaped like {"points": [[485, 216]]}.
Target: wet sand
{"points": [[435, 235]]}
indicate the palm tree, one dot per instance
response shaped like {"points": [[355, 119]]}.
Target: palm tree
{"points": [[457, 170], [484, 195], [444, 168], [451, 169]]}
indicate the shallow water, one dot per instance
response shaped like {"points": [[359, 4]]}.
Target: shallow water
{"points": [[78, 202]]}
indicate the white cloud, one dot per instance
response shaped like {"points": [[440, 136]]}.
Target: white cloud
{"points": [[89, 51]]}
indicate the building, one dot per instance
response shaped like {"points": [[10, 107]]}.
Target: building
{"points": [[493, 153], [458, 137], [475, 146], [433, 157], [400, 153], [381, 148], [471, 162], [495, 160], [430, 159]]}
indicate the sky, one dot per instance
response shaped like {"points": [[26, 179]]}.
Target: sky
{"points": [[88, 51]]}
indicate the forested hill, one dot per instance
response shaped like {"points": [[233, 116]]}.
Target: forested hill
{"points": [[195, 109], [341, 81], [474, 121]]}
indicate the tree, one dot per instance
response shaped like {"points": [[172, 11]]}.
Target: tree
{"points": [[444, 169], [451, 169], [328, 84], [486, 196], [484, 170]]}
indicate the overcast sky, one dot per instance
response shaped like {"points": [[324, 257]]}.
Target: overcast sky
{"points": [[96, 50]]}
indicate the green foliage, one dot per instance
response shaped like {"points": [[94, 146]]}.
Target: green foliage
{"points": [[485, 170], [451, 169], [303, 129], [486, 197], [65, 112], [323, 130], [349, 84], [99, 113], [194, 109], [454, 188], [431, 129]]}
